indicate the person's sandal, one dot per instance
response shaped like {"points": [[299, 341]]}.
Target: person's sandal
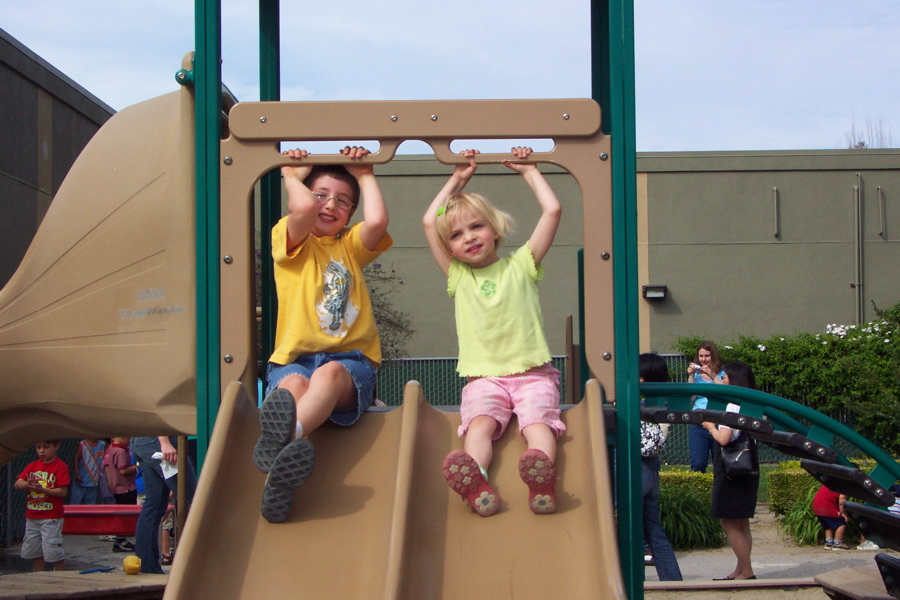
{"points": [[464, 477], [539, 474], [167, 558]]}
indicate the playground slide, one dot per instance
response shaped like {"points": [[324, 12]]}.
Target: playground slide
{"points": [[97, 325], [98, 337], [377, 520]]}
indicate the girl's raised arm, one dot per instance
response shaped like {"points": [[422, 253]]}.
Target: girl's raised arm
{"points": [[551, 211], [455, 184]]}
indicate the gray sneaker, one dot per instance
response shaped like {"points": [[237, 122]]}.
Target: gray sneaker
{"points": [[277, 421], [840, 546], [290, 469]]}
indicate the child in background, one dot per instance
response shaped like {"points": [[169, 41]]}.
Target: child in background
{"points": [[88, 458], [167, 533], [47, 482], [326, 345], [106, 496], [828, 507], [503, 351], [120, 472], [895, 507]]}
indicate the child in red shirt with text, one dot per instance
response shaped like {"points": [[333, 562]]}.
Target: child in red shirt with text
{"points": [[828, 506], [47, 483]]}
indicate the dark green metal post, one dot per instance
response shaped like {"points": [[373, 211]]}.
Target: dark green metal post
{"points": [[207, 90], [613, 88], [270, 184]]}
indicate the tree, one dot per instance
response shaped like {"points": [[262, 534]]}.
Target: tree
{"points": [[394, 325], [873, 136]]}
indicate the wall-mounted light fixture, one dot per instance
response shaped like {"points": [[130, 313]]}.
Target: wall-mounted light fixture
{"points": [[654, 292]]}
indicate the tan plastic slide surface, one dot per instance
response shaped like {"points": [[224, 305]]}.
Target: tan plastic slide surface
{"points": [[377, 520], [97, 325]]}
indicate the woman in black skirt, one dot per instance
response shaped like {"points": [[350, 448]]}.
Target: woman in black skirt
{"points": [[734, 498]]}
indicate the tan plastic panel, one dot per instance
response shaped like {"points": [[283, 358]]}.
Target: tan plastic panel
{"points": [[252, 150], [377, 520], [97, 325]]}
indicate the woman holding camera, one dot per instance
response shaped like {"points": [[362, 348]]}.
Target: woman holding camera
{"points": [[706, 368]]}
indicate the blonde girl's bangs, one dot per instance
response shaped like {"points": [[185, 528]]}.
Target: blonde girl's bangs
{"points": [[478, 205]]}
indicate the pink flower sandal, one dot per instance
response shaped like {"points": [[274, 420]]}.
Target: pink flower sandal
{"points": [[539, 474], [465, 478]]}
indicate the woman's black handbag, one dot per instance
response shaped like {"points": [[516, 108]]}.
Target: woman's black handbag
{"points": [[741, 456]]}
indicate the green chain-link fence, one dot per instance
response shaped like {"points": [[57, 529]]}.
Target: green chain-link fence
{"points": [[441, 386], [440, 382]]}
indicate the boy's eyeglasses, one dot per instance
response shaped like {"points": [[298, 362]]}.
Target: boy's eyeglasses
{"points": [[323, 198]]}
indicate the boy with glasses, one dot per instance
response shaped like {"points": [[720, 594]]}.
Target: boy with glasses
{"points": [[326, 342]]}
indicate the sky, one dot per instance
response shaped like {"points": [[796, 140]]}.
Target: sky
{"points": [[710, 75]]}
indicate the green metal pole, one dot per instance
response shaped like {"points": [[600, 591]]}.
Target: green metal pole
{"points": [[613, 88], [207, 110], [270, 184]]}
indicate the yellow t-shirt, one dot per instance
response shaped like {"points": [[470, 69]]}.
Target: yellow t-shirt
{"points": [[323, 303]]}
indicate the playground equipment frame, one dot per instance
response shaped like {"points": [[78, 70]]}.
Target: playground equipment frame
{"points": [[612, 56]]}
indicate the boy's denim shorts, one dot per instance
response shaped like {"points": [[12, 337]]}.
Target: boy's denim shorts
{"points": [[361, 371]]}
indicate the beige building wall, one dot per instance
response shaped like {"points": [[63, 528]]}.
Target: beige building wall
{"points": [[747, 243], [764, 243]]}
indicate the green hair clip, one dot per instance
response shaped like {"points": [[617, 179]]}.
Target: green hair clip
{"points": [[441, 210]]}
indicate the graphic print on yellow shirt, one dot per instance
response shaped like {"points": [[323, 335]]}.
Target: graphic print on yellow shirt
{"points": [[336, 312]]}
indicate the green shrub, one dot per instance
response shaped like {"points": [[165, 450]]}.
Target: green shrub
{"points": [[684, 506], [799, 520], [682, 478], [787, 485], [850, 367]]}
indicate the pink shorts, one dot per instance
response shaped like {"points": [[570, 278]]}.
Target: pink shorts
{"points": [[533, 396]]}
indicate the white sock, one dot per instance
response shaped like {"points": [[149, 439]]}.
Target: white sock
{"points": [[483, 472], [298, 431]]}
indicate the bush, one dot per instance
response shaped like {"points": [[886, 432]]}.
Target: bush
{"points": [[788, 484], [850, 367], [800, 522], [681, 478], [684, 506]]}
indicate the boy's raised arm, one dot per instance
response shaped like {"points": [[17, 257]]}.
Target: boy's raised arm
{"points": [[375, 213], [302, 206], [551, 211], [455, 184]]}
